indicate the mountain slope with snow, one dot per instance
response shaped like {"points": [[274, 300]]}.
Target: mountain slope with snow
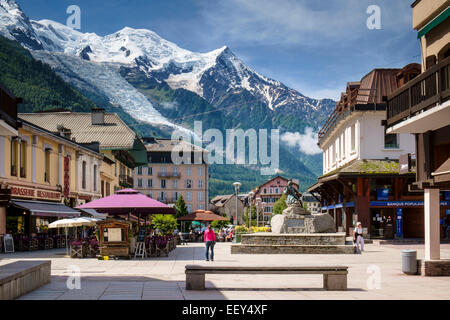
{"points": [[210, 75]]}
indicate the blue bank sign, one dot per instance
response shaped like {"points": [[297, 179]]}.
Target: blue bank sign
{"points": [[402, 203]]}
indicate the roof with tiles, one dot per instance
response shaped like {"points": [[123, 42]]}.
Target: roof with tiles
{"points": [[113, 134], [162, 145]]}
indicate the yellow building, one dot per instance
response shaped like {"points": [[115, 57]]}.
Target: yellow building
{"points": [[41, 174], [121, 147]]}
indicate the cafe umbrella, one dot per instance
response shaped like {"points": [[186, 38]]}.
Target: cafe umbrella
{"points": [[128, 202], [69, 223]]}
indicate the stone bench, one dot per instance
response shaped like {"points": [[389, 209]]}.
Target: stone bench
{"points": [[334, 277], [20, 277]]}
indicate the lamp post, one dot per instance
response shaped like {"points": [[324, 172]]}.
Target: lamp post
{"points": [[250, 194], [258, 202], [262, 208], [236, 185]]}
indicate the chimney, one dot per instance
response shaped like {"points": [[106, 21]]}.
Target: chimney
{"points": [[98, 116], [64, 132]]}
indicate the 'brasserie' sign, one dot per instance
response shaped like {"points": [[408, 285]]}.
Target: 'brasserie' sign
{"points": [[23, 192]]}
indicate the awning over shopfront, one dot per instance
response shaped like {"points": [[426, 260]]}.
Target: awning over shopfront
{"points": [[94, 214], [45, 209]]}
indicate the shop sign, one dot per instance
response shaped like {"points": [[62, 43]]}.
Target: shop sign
{"points": [[66, 177], [446, 195], [403, 203], [24, 192], [399, 223]]}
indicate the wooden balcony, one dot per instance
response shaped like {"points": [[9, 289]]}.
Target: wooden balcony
{"points": [[169, 174], [125, 181], [426, 91]]}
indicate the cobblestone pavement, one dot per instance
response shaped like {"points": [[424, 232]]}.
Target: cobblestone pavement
{"points": [[163, 277]]}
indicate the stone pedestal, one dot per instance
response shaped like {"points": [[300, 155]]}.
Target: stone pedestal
{"points": [[297, 220]]}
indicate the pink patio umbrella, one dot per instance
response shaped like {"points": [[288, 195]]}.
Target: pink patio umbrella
{"points": [[128, 201]]}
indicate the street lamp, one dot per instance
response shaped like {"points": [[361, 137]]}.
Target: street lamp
{"points": [[258, 201], [236, 185], [262, 208], [250, 194]]}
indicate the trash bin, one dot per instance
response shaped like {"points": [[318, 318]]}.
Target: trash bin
{"points": [[409, 261]]}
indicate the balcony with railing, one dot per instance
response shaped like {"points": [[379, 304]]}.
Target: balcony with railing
{"points": [[125, 181], [358, 99], [169, 174], [426, 91]]}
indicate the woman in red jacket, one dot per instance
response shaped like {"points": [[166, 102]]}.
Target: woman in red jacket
{"points": [[210, 240]]}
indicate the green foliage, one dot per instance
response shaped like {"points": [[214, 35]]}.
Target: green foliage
{"points": [[35, 82], [279, 205], [241, 229], [253, 215], [165, 223], [220, 224], [181, 208], [305, 206]]}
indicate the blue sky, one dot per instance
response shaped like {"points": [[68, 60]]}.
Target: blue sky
{"points": [[312, 46]]}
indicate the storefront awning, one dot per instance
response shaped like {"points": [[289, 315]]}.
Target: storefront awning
{"points": [[94, 214], [434, 23], [45, 209]]}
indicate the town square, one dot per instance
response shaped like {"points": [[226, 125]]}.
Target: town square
{"points": [[138, 168]]}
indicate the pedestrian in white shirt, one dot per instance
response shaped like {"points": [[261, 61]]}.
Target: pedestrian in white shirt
{"points": [[358, 237]]}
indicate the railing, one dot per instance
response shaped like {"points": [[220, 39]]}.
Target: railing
{"points": [[420, 94], [169, 174], [125, 181]]}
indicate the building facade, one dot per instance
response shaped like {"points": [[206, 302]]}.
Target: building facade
{"points": [[360, 180], [311, 203], [121, 147], [41, 174], [226, 205], [422, 107], [165, 181], [269, 193]]}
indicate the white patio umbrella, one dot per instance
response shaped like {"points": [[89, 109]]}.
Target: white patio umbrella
{"points": [[74, 222]]}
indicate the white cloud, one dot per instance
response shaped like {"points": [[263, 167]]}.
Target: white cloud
{"points": [[306, 23], [307, 142]]}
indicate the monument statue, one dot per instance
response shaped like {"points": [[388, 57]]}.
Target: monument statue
{"points": [[293, 196], [295, 219]]}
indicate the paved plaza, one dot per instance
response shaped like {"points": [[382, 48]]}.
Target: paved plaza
{"points": [[163, 277]]}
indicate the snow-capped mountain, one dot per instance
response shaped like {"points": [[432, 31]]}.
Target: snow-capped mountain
{"points": [[211, 75]]}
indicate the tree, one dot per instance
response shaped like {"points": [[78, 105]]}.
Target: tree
{"points": [[280, 205], [253, 215], [180, 207], [305, 206], [165, 223], [218, 224]]}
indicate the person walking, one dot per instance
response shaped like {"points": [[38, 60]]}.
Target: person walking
{"points": [[358, 238], [210, 241]]}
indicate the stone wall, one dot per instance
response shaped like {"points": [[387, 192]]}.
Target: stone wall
{"points": [[294, 239], [21, 277], [434, 268]]}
